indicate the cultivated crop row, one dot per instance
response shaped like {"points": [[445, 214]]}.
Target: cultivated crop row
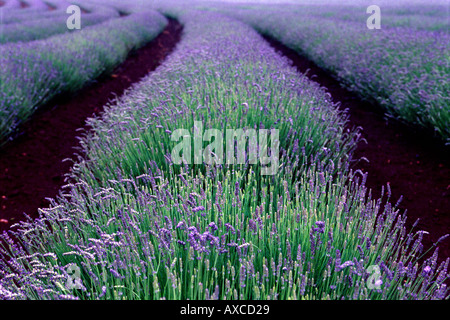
{"points": [[14, 14], [430, 17], [11, 4], [36, 25], [136, 225]]}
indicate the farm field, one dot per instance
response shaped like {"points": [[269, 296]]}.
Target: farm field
{"points": [[224, 150]]}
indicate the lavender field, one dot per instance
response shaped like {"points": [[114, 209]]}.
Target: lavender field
{"points": [[225, 173], [404, 66]]}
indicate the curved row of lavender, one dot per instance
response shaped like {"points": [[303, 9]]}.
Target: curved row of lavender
{"points": [[31, 73], [134, 225], [404, 69], [14, 15], [39, 25], [429, 16], [412, 16], [11, 4]]}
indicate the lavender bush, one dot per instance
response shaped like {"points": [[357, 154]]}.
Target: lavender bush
{"points": [[140, 227]]}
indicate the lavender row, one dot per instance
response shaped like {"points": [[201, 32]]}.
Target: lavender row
{"points": [[11, 5], [13, 9], [419, 16], [41, 28], [31, 13]]}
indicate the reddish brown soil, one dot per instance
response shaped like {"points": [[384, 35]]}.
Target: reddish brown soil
{"points": [[50, 7], [31, 166], [413, 162], [24, 5]]}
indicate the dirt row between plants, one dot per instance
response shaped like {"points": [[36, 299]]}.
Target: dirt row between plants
{"points": [[414, 164], [31, 167], [51, 7], [24, 4]]}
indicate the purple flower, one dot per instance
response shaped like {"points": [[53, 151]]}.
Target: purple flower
{"points": [[199, 208], [115, 273], [320, 224], [103, 292], [213, 226], [378, 283], [166, 235], [229, 227], [180, 224], [252, 225], [320, 227], [346, 264], [426, 271], [193, 229], [206, 236]]}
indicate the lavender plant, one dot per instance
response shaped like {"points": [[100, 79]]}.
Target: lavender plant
{"points": [[150, 229]]}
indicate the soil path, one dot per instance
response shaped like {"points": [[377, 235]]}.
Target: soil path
{"points": [[413, 163], [51, 7], [31, 166], [24, 5]]}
